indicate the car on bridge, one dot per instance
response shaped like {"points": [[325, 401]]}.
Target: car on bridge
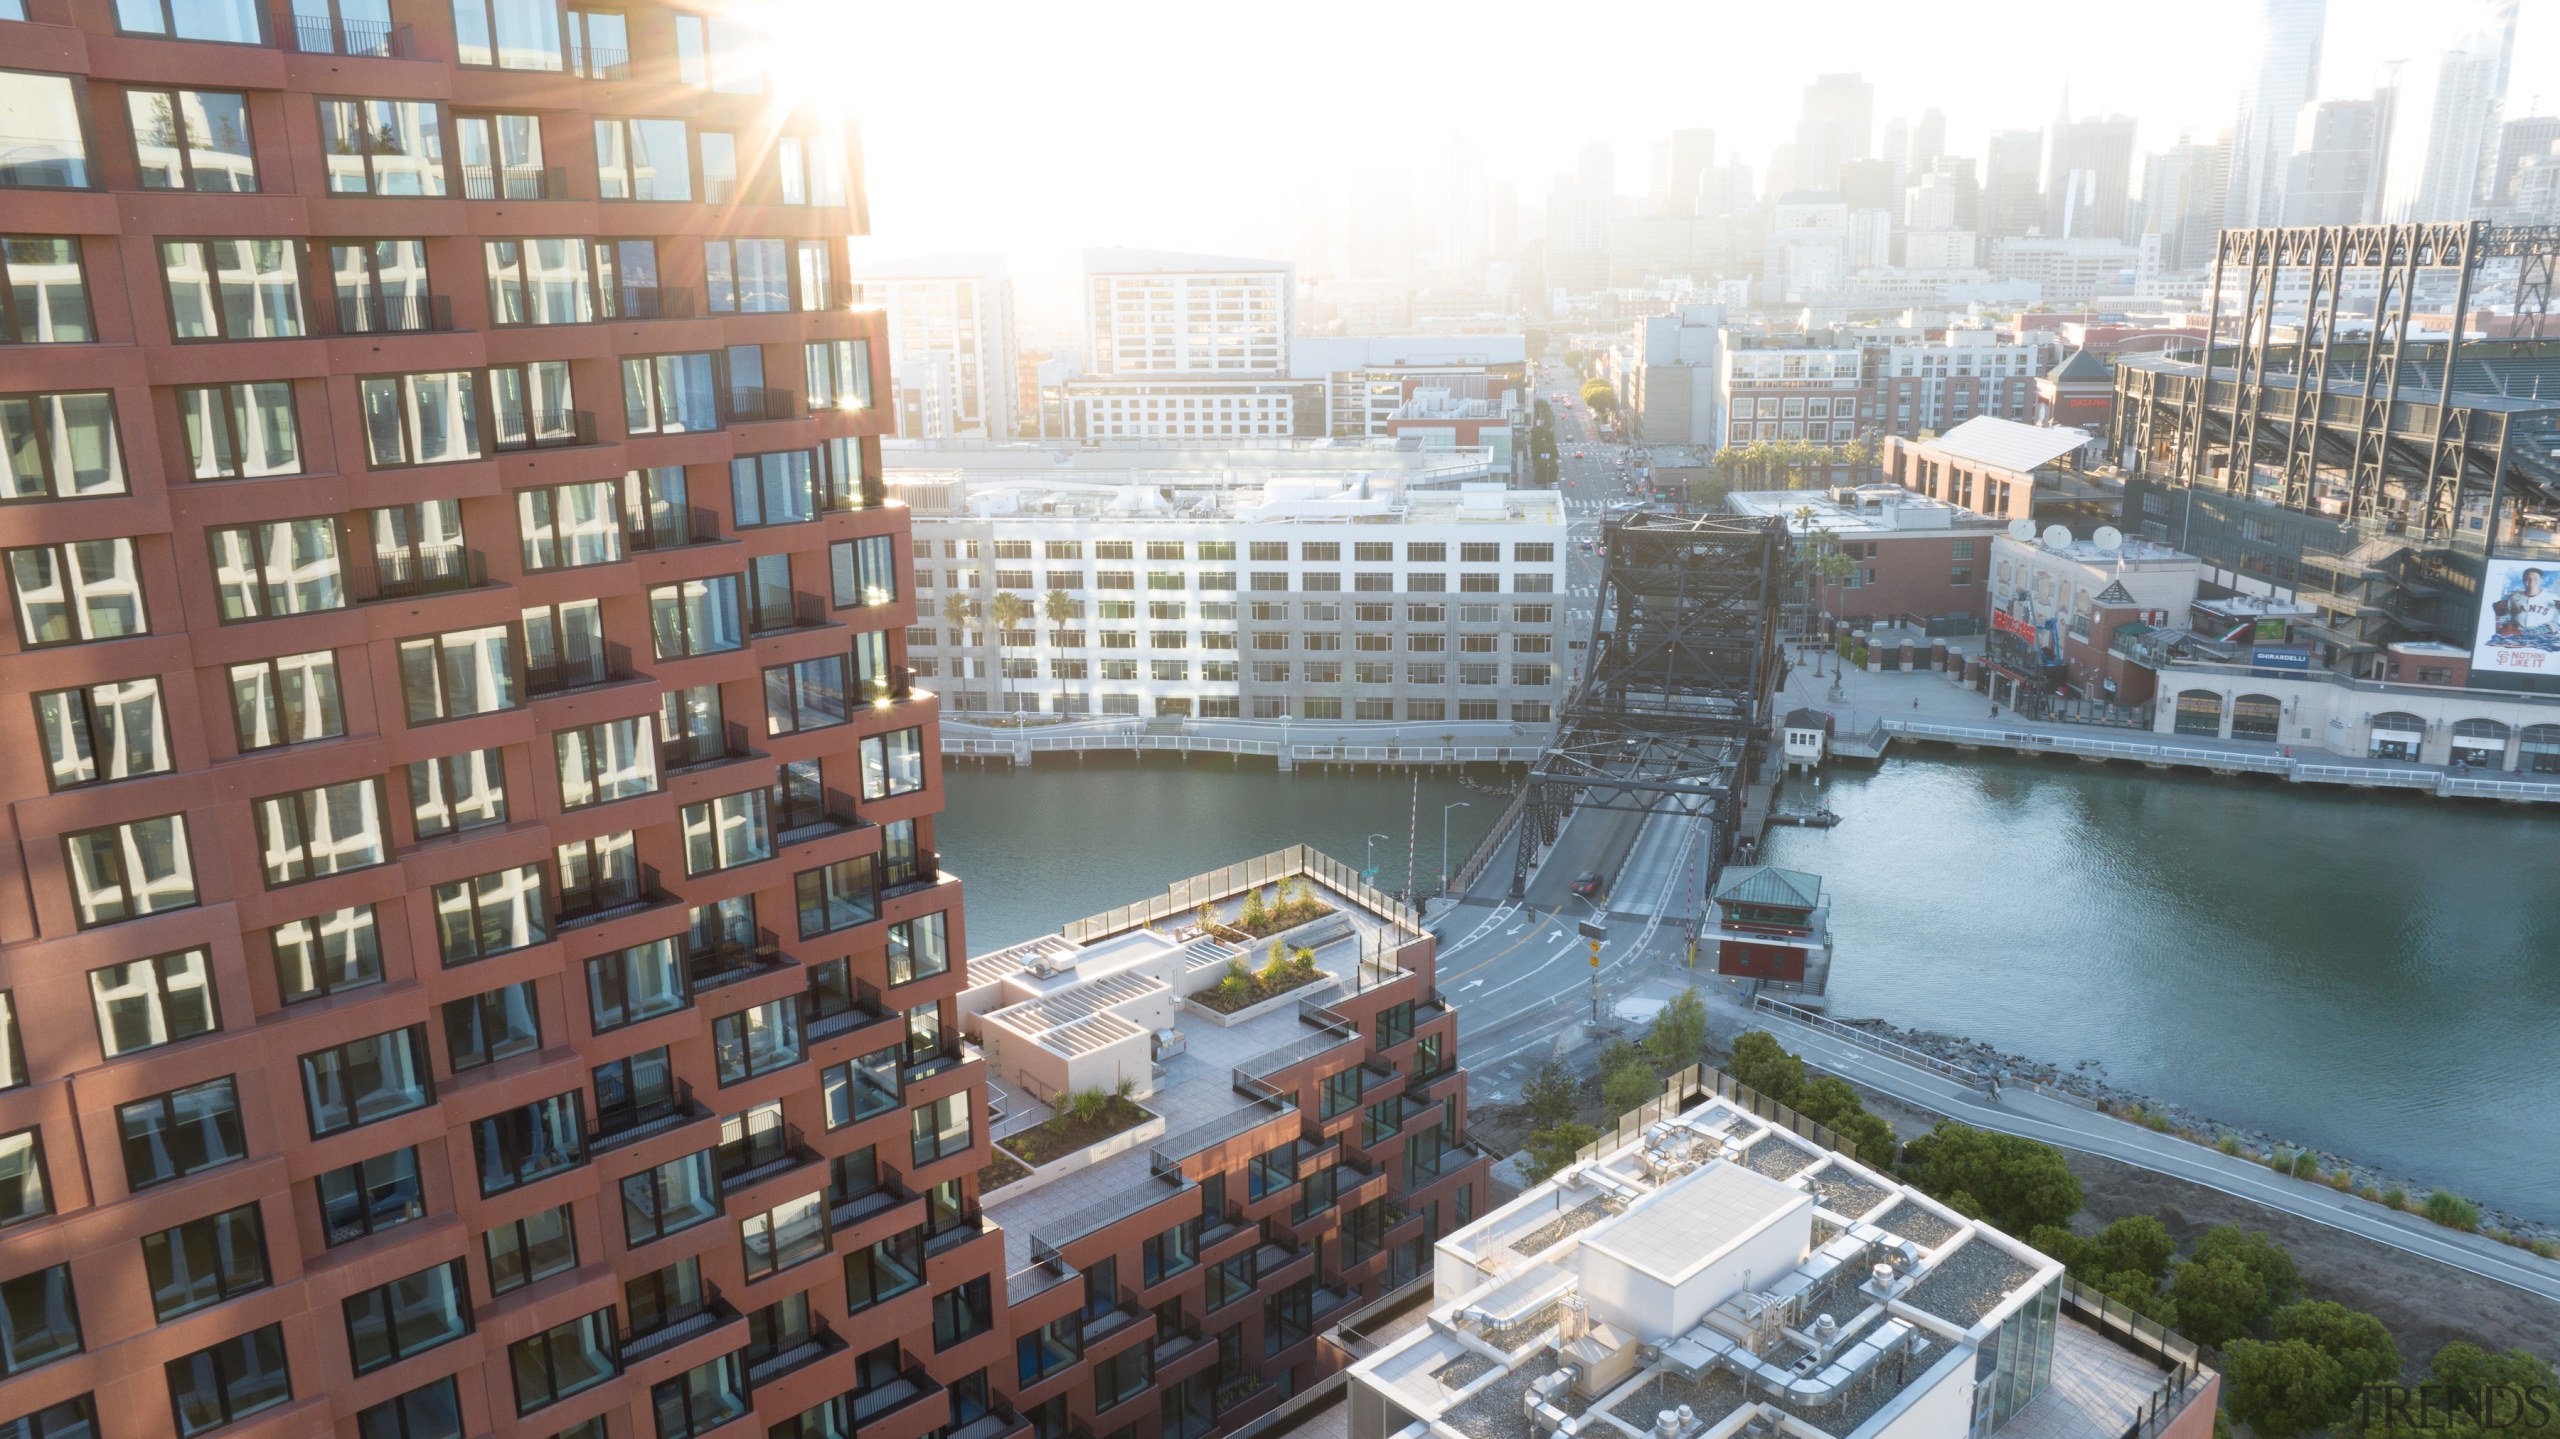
{"points": [[1589, 884]]}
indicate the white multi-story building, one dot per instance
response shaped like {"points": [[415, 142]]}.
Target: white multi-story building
{"points": [[1936, 384], [1347, 594], [1189, 345], [2068, 270], [1788, 393], [952, 346], [1372, 380]]}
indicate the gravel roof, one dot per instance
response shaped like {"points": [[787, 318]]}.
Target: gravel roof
{"points": [[1715, 1394], [1776, 1158], [1970, 1282], [1845, 1194], [1573, 1221], [1493, 1412], [1917, 1223], [1462, 1371]]}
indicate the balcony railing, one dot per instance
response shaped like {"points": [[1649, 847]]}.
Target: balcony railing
{"points": [[802, 611], [395, 577], [597, 62], [638, 1122], [707, 1312], [872, 1405], [795, 809], [1050, 1239], [691, 751], [634, 889], [580, 669], [727, 963], [764, 402], [673, 529], [545, 429], [315, 35], [345, 315], [515, 182]]}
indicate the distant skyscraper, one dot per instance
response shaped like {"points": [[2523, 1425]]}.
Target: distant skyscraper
{"points": [[1837, 126], [2518, 141], [1689, 155], [2444, 127], [2182, 203], [2262, 140], [2330, 179], [2088, 178], [1927, 142], [2012, 197]]}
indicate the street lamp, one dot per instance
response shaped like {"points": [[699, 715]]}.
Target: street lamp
{"points": [[1285, 722], [1370, 865], [1444, 840]]}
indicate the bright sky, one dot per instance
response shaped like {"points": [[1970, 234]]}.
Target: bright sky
{"points": [[1041, 129]]}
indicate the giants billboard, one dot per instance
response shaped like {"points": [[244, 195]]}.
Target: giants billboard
{"points": [[2519, 618]]}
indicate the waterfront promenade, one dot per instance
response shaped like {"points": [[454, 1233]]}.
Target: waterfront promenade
{"points": [[1925, 705]]}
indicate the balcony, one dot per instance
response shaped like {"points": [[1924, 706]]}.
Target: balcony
{"points": [[707, 1313], [798, 812], [776, 614], [822, 1342], [515, 182], [654, 302], [581, 668], [866, 1007], [676, 528], [641, 1121], [729, 744], [612, 897], [727, 962], [761, 1156], [315, 35], [751, 403], [402, 576], [350, 315], [545, 430], [874, 1405]]}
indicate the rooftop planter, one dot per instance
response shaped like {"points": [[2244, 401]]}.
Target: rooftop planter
{"points": [[1288, 904], [1241, 989], [1090, 1126]]}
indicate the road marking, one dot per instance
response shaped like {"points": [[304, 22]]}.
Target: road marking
{"points": [[1470, 984], [1515, 944]]}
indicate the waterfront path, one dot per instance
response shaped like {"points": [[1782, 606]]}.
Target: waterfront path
{"points": [[2068, 1125]]}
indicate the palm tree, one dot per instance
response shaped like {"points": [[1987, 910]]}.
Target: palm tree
{"points": [[1007, 611], [1059, 607], [961, 614]]}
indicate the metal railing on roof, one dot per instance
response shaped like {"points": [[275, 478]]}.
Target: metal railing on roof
{"points": [[1167, 1157], [1049, 1240], [1184, 897]]}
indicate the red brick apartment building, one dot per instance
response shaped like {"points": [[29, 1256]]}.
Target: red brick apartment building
{"points": [[475, 961]]}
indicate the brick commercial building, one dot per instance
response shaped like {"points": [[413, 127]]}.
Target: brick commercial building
{"points": [[1903, 558], [474, 959]]}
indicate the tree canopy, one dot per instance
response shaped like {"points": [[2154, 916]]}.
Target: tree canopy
{"points": [[2018, 1183]]}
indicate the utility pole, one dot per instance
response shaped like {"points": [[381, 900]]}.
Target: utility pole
{"points": [[1596, 933]]}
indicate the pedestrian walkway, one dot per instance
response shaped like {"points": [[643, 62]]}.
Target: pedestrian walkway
{"points": [[2059, 1122]]}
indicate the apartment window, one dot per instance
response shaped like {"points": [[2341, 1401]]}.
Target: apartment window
{"points": [[488, 1027], [671, 394], [45, 300], [285, 567], [635, 984], [1170, 1252], [564, 646], [233, 431], [313, 833], [383, 147], [366, 1080], [192, 140], [73, 1418], [701, 1399], [570, 526], [839, 374], [663, 1297], [457, 792], [205, 1261], [381, 285], [102, 732], [806, 696], [865, 571], [527, 1250], [326, 954], [862, 1088], [170, 1136], [129, 870], [837, 896], [673, 1197], [696, 617], [757, 1041], [229, 1381], [47, 150], [430, 1411], [893, 764], [962, 1313], [370, 1196], [458, 674], [601, 763], [146, 1003], [530, 1142], [539, 282], [712, 53], [781, 488], [751, 276], [233, 22], [429, 418], [643, 159], [725, 832], [635, 1090], [939, 1128], [564, 1360], [23, 1194], [408, 1316], [792, 1232], [76, 593], [502, 159], [60, 446], [509, 34], [917, 950]]}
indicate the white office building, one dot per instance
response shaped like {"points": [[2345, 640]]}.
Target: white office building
{"points": [[1180, 346], [952, 345], [1315, 586]]}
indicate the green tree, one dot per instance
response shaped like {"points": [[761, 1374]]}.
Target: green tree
{"points": [[961, 614], [1550, 1096], [1830, 1102], [1554, 1147], [1626, 1078], [2218, 1299], [2018, 1182], [2263, 1256], [2280, 1389], [1679, 1033], [1760, 1062], [1061, 610], [2358, 1342], [1006, 613], [2465, 1369], [1597, 394], [2136, 1242]]}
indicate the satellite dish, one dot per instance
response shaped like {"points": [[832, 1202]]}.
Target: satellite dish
{"points": [[2057, 537], [2109, 538], [2022, 530]]}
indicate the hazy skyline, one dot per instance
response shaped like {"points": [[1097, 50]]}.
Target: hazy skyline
{"points": [[1040, 131]]}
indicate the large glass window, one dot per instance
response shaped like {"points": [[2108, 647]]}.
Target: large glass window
{"points": [[701, 1399], [431, 418], [601, 763], [170, 1136], [46, 148], [230, 1381], [72, 1418], [790, 1233], [457, 792], [780, 488], [130, 870], [939, 1129], [892, 1267], [861, 1088], [419, 548], [45, 300], [312, 833], [192, 140], [696, 617], [598, 873], [839, 374], [370, 1196], [23, 1192], [676, 1195], [205, 1261], [494, 1025], [636, 1090], [564, 1359], [60, 446], [327, 953], [532, 405], [917, 950], [534, 1141], [233, 22], [492, 914], [717, 53], [671, 394], [599, 43], [564, 646], [663, 1297], [529, 1250], [539, 282], [408, 1316], [282, 567], [381, 285], [77, 593], [239, 432], [510, 34], [103, 732], [747, 277], [893, 764], [567, 526], [806, 696], [838, 896], [630, 985], [458, 674], [757, 1041], [367, 1080], [643, 160], [145, 1003], [727, 831], [430, 1411], [502, 158], [383, 147], [234, 289], [865, 571]]}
